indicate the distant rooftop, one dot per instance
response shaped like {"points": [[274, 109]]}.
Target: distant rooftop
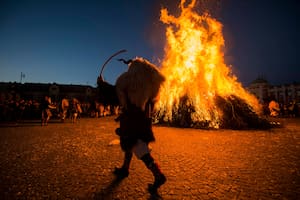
{"points": [[260, 80]]}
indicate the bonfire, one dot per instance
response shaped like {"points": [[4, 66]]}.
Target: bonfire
{"points": [[200, 90]]}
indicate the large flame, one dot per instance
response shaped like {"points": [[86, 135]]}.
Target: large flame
{"points": [[194, 67]]}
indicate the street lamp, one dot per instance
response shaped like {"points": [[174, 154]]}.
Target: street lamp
{"points": [[22, 76]]}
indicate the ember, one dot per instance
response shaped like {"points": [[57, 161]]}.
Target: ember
{"points": [[200, 90]]}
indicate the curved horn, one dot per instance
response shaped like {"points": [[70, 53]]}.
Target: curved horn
{"points": [[125, 61], [121, 51]]}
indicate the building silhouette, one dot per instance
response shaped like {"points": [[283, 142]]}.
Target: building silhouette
{"points": [[283, 94], [37, 91]]}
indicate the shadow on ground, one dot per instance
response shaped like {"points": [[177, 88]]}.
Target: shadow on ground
{"points": [[107, 192]]}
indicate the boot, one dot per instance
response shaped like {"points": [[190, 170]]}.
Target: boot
{"points": [[123, 171], [159, 177]]}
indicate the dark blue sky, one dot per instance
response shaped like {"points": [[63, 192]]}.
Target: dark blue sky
{"points": [[262, 39], [67, 41]]}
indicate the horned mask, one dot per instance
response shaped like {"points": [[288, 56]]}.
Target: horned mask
{"points": [[139, 84]]}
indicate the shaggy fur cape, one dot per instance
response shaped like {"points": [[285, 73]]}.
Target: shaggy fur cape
{"points": [[139, 84], [137, 89]]}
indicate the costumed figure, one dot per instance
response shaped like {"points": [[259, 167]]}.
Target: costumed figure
{"points": [[137, 90]]}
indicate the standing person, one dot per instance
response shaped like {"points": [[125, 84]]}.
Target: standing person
{"points": [[137, 90], [64, 108], [75, 110], [46, 113]]}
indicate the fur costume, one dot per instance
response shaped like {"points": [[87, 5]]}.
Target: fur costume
{"points": [[137, 89], [139, 84]]}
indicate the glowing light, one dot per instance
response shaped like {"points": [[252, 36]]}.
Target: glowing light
{"points": [[194, 67]]}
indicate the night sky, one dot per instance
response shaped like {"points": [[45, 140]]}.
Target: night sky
{"points": [[67, 41]]}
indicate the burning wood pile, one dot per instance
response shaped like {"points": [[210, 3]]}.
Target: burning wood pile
{"points": [[236, 114], [200, 90]]}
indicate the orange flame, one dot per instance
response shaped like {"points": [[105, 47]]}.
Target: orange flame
{"points": [[194, 67]]}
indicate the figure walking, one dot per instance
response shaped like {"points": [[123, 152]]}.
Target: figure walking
{"points": [[137, 90]]}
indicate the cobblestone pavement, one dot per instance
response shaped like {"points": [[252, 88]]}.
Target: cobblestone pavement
{"points": [[75, 161]]}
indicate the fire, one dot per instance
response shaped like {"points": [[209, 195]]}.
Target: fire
{"points": [[195, 69]]}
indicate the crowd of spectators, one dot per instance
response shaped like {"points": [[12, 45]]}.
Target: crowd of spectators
{"points": [[18, 110], [275, 109]]}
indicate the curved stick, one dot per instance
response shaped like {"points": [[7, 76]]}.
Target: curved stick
{"points": [[121, 51]]}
